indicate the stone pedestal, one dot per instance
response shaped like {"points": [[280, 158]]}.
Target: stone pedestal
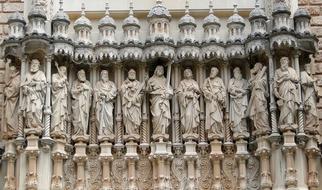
{"points": [[131, 156], [10, 156], [242, 155], [106, 157], [191, 156], [80, 158], [312, 152], [58, 155], [32, 151], [289, 148], [264, 151], [216, 155]]}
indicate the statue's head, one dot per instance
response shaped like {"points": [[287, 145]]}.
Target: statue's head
{"points": [[258, 66], [159, 71], [237, 73], [308, 68], [63, 69], [104, 75], [34, 66], [284, 63], [13, 70], [213, 72], [131, 74], [187, 73], [81, 75]]}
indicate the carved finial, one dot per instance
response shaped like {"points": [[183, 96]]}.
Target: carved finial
{"points": [[235, 9], [211, 6], [257, 4], [187, 7], [36, 3], [83, 9], [159, 2], [61, 5], [107, 8], [131, 8]]}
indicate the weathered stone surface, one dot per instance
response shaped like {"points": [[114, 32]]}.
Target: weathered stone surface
{"points": [[12, 7]]}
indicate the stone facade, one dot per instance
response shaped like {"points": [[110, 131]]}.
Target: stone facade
{"points": [[157, 98]]}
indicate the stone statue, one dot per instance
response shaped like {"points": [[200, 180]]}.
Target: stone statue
{"points": [[81, 101], [188, 97], [104, 95], [310, 91], [34, 91], [131, 91], [59, 99], [257, 108], [285, 90], [238, 90], [160, 93], [11, 101], [215, 94]]}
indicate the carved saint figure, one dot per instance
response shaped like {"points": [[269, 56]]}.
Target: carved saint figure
{"points": [[238, 89], [285, 90], [11, 101], [104, 94], [33, 89], [59, 99], [257, 109], [215, 93], [160, 93], [81, 101], [310, 91], [131, 91], [188, 98]]}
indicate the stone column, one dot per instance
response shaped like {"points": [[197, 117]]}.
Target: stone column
{"points": [[10, 156], [145, 127], [106, 157], [242, 155], [312, 152], [131, 156], [289, 148], [80, 158], [217, 155], [92, 126], [176, 134], [20, 138], [200, 77], [58, 156], [119, 127], [264, 152]]}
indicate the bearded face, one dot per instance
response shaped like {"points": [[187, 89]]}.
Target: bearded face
{"points": [[104, 76], [237, 74], [213, 72], [187, 74], [34, 67], [13, 71], [81, 75], [132, 75]]}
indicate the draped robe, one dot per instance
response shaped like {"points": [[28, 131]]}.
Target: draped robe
{"points": [[215, 93], [34, 98], [105, 93], [287, 93], [238, 105], [160, 105], [59, 102], [310, 90], [257, 108], [131, 105], [11, 104], [81, 95], [188, 94]]}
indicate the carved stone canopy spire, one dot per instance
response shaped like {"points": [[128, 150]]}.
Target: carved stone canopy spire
{"points": [[280, 6], [211, 19], [159, 11], [83, 20], [37, 10], [131, 20], [61, 15], [107, 20], [187, 19], [236, 18], [257, 12]]}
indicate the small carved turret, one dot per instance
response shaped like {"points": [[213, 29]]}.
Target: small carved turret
{"points": [[60, 23], [302, 19], [131, 27], [159, 19], [281, 16], [257, 19], [235, 25], [211, 25], [37, 19], [16, 24], [83, 28], [187, 25], [107, 27]]}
